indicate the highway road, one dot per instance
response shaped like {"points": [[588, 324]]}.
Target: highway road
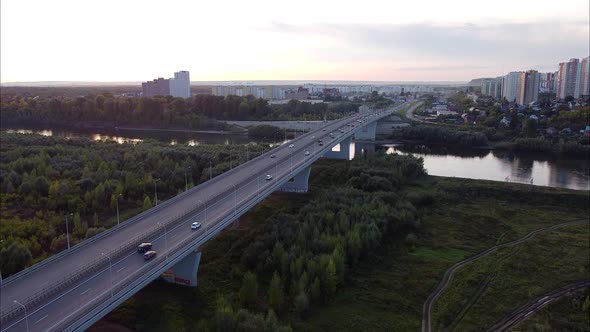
{"points": [[526, 311], [110, 261], [448, 276]]}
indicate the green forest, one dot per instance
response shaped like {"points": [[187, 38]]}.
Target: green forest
{"points": [[198, 112], [43, 180]]}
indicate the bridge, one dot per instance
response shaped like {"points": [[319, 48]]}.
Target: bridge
{"points": [[75, 288]]}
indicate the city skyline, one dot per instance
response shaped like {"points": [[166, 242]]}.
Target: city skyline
{"points": [[379, 41]]}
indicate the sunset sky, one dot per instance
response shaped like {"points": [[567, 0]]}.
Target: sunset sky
{"points": [[297, 40]]}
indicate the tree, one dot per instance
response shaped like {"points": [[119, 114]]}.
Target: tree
{"points": [[79, 227], [14, 258], [531, 126], [147, 203], [301, 304], [331, 279], [316, 290], [225, 318], [249, 289], [275, 292]]}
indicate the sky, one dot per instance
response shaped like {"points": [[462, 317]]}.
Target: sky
{"points": [[370, 40]]}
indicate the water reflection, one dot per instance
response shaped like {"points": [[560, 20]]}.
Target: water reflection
{"points": [[136, 136], [540, 169]]}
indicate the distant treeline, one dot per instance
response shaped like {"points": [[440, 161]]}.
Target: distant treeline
{"points": [[198, 112], [84, 90], [442, 135]]}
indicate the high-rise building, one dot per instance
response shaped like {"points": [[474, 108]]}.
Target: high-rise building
{"points": [[157, 87], [528, 87], [492, 87], [547, 83], [510, 86], [585, 77], [568, 77], [180, 85]]}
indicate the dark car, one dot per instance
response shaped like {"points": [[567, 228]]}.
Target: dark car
{"points": [[146, 246], [149, 255]]}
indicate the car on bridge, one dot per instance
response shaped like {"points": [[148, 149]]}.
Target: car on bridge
{"points": [[146, 246], [149, 255], [196, 225], [291, 145], [272, 156], [268, 177]]}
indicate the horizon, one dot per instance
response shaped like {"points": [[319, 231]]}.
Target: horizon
{"points": [[422, 41]]}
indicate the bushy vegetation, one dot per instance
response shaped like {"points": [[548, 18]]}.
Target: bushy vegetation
{"points": [[443, 135], [45, 179]]}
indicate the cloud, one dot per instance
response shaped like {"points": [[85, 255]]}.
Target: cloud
{"points": [[454, 46]]}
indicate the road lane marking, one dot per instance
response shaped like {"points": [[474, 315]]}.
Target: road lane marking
{"points": [[119, 270], [42, 318], [86, 291]]}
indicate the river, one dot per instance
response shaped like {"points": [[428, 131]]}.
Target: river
{"points": [[535, 168], [498, 165]]}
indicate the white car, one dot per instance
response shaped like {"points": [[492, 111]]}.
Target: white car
{"points": [[272, 156], [307, 153], [195, 225], [291, 145], [268, 177]]}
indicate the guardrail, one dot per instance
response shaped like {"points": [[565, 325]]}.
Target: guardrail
{"points": [[48, 292]]}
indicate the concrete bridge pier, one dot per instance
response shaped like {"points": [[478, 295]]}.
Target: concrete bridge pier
{"points": [[366, 132], [299, 183], [185, 271], [343, 153], [362, 149]]}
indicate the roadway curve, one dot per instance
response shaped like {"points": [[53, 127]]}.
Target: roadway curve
{"points": [[410, 112], [524, 312], [448, 276], [93, 276]]}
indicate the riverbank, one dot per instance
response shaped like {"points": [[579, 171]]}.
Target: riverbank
{"points": [[386, 290]]}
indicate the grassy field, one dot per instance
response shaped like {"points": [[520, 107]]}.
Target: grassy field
{"points": [[386, 290]]}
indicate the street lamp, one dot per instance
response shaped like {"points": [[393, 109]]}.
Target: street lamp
{"points": [[26, 315], [117, 200], [67, 229], [110, 271], [186, 179]]}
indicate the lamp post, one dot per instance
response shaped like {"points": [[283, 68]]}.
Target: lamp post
{"points": [[110, 271], [67, 229], [186, 179], [26, 315], [117, 202], [156, 191]]}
